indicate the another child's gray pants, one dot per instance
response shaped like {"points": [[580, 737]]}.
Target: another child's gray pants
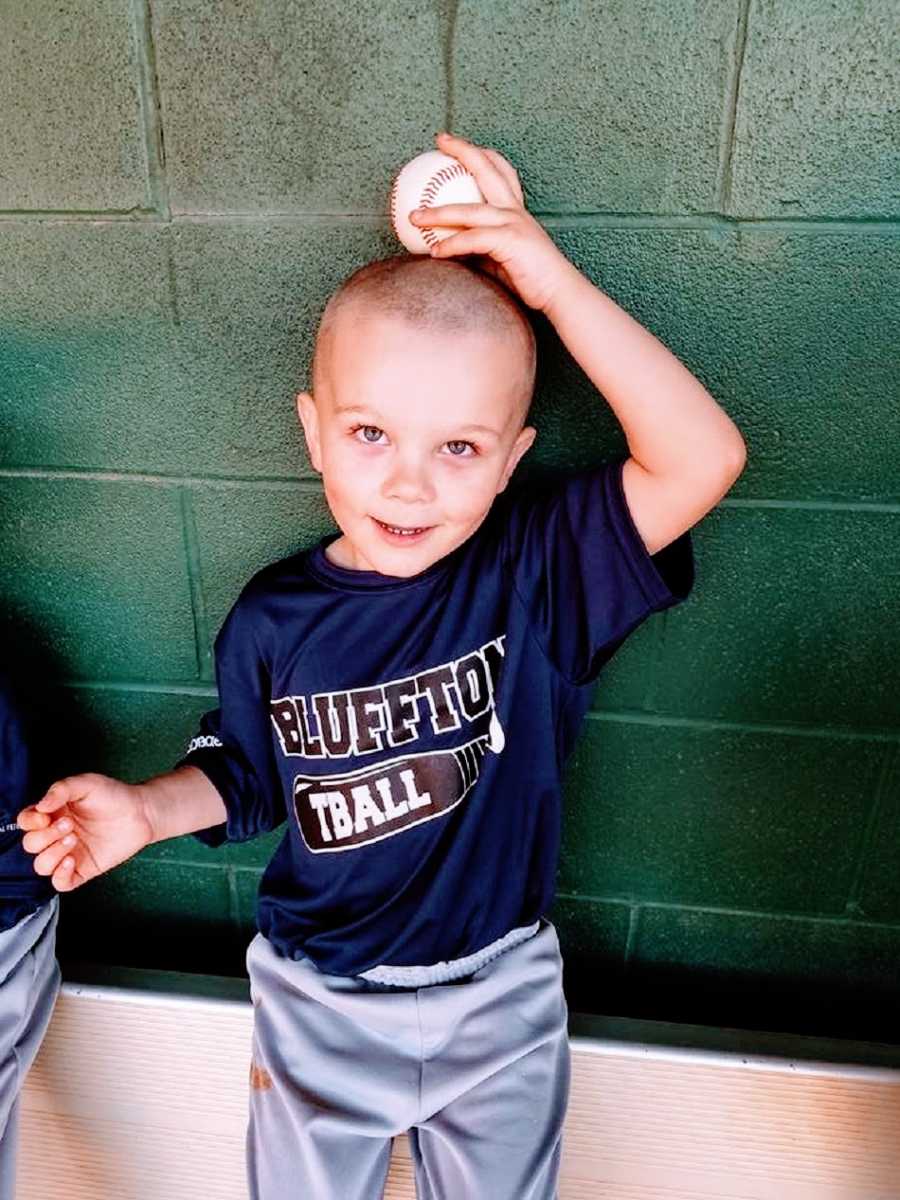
{"points": [[477, 1071], [29, 981]]}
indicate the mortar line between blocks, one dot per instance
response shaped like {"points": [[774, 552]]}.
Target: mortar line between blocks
{"points": [[560, 220], [313, 486], [151, 114], [726, 150], [655, 661], [634, 917], [660, 720], [233, 899], [148, 687], [450, 65], [195, 580], [271, 482], [891, 757], [717, 725], [720, 910]]}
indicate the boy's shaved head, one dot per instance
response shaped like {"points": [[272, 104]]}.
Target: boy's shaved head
{"points": [[422, 376], [436, 295]]}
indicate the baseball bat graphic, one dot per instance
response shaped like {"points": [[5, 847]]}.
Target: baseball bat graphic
{"points": [[340, 812]]}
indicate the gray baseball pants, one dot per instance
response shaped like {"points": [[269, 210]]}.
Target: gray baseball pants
{"points": [[29, 981], [476, 1070]]}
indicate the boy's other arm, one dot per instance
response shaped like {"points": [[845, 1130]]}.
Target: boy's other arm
{"points": [[685, 451], [87, 824]]}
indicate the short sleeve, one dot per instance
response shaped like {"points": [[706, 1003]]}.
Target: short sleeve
{"points": [[233, 746], [582, 571]]}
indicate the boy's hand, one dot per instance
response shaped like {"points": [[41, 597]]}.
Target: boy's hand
{"points": [[517, 249], [83, 826]]}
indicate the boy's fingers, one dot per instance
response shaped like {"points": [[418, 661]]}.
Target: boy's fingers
{"points": [[40, 839], [68, 790], [470, 241], [30, 818], [58, 794], [47, 862], [459, 214], [493, 184], [508, 171], [65, 877]]}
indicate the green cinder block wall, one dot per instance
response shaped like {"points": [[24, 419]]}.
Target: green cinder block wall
{"points": [[183, 182]]}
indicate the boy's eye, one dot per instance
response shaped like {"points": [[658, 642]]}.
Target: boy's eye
{"points": [[370, 433], [458, 449]]}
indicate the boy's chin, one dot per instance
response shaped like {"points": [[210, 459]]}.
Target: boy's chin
{"points": [[404, 564]]}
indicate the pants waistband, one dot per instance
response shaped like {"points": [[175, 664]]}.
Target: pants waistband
{"points": [[456, 968]]}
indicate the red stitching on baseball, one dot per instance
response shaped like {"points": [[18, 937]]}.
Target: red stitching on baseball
{"points": [[437, 181], [394, 203], [429, 193]]}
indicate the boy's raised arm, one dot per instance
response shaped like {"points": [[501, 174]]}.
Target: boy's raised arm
{"points": [[685, 450], [87, 824]]}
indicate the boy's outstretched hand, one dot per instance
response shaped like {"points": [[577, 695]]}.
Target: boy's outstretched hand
{"points": [[517, 249], [83, 826]]}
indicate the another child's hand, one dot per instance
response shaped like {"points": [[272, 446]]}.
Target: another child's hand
{"points": [[83, 826], [517, 249]]}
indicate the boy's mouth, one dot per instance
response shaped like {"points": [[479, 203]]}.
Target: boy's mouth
{"points": [[402, 533]]}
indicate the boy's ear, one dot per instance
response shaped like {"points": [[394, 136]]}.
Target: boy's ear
{"points": [[521, 446], [309, 419]]}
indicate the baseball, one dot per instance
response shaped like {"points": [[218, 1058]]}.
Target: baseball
{"points": [[427, 181]]}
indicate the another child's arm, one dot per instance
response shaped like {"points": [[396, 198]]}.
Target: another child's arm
{"points": [[685, 451], [88, 824]]}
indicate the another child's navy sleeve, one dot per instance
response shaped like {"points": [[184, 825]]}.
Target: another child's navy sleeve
{"points": [[233, 746], [583, 573], [17, 784], [22, 782]]}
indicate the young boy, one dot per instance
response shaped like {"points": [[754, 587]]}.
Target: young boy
{"points": [[404, 696], [29, 975]]}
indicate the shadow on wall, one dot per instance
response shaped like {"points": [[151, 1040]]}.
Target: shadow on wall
{"points": [[68, 739], [145, 912]]}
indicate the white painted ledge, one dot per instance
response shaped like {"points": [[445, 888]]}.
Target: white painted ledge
{"points": [[140, 1093]]}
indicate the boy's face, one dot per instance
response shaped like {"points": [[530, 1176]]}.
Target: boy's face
{"points": [[412, 431]]}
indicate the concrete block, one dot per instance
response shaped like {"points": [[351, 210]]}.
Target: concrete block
{"points": [[600, 105], [70, 122], [95, 578], [715, 818], [817, 131], [791, 332], [130, 734], [249, 298], [787, 622], [879, 898], [112, 362], [88, 351], [297, 106], [240, 530]]}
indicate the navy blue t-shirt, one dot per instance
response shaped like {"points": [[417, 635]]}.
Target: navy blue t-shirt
{"points": [[21, 889], [413, 732]]}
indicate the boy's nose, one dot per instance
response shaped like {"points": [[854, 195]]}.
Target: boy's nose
{"points": [[409, 483]]}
